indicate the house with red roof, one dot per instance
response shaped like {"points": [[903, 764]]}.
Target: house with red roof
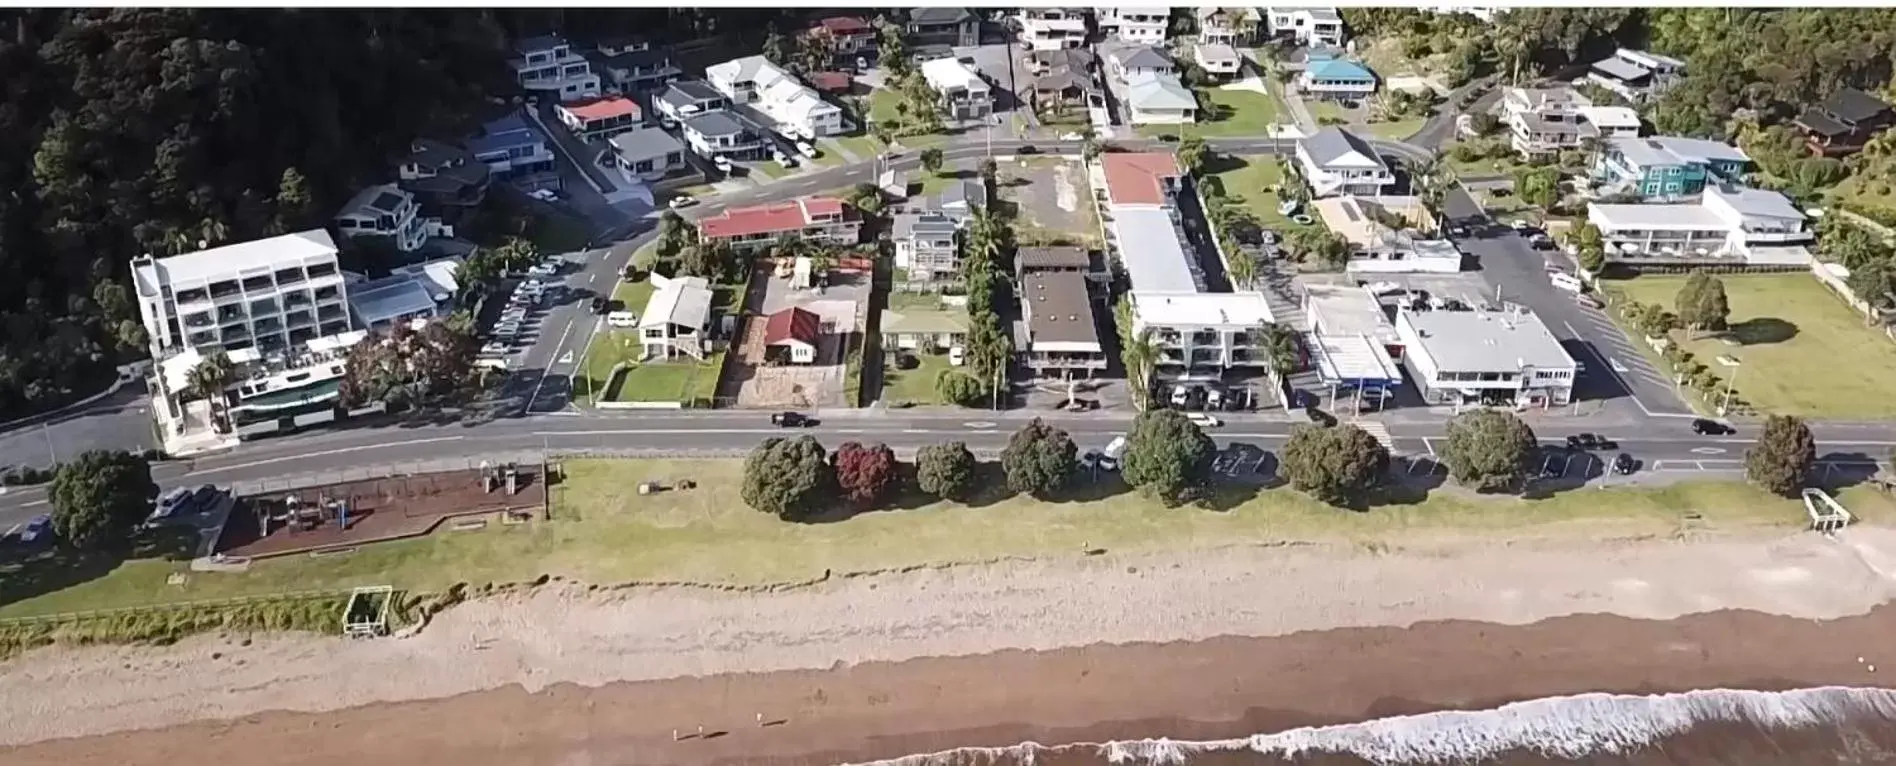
{"points": [[600, 117], [824, 220], [1140, 178], [791, 335], [848, 37]]}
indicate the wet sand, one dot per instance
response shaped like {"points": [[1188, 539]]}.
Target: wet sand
{"points": [[1209, 689]]}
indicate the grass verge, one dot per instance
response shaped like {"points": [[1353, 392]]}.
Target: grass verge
{"points": [[912, 387]]}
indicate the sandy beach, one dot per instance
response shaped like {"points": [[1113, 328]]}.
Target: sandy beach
{"points": [[1205, 644]]}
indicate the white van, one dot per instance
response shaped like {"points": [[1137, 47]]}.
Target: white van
{"points": [[1566, 281], [622, 319], [1115, 449]]}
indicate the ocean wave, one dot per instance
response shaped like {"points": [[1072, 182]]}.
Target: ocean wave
{"points": [[1572, 727]]}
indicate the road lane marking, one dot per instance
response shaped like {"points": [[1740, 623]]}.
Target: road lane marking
{"points": [[535, 398], [1708, 451], [324, 453]]}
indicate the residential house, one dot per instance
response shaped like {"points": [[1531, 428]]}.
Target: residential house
{"points": [[1328, 78], [547, 64], [1548, 120], [928, 330], [1159, 99], [446, 179], [1313, 26], [1485, 14], [1072, 59], [1478, 357], [925, 246], [834, 84], [1139, 26], [600, 118], [722, 134], [1667, 167], [270, 294], [1064, 79], [1138, 179], [648, 153], [1218, 60], [1726, 225], [1636, 75], [632, 66], [1335, 161], [677, 318], [1844, 122], [398, 299], [1062, 259], [793, 109], [791, 336], [1124, 62], [1051, 29], [943, 26], [388, 211], [513, 147], [684, 98], [1233, 27], [961, 198], [848, 38], [965, 95], [818, 219], [1062, 334]]}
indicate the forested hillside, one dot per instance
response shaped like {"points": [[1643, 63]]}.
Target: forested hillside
{"points": [[132, 131]]}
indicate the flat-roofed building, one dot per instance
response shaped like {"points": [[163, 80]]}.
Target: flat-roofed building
{"points": [[1203, 333], [1349, 310], [1473, 357], [1727, 225], [1062, 333], [272, 294]]}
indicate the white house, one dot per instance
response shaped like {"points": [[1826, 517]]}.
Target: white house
{"points": [[1334, 161], [1125, 62], [1203, 333], [677, 319], [1143, 26], [925, 246], [1219, 60], [1727, 224], [1051, 29], [1473, 357], [714, 134], [1547, 120], [1636, 75], [388, 211], [270, 294], [964, 94], [547, 64], [795, 109], [1305, 25], [1225, 26], [1160, 99], [647, 153]]}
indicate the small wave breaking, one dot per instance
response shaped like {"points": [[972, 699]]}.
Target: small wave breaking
{"points": [[1572, 727]]}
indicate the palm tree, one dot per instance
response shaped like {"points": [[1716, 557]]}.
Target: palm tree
{"points": [[208, 379], [1139, 351], [1277, 343], [1243, 270]]}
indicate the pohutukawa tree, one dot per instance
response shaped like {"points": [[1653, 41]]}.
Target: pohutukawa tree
{"points": [[1168, 457], [1039, 459], [1488, 450]]}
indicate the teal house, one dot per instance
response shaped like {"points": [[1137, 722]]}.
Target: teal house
{"points": [[1662, 168]]}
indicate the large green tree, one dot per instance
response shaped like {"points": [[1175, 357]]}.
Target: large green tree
{"points": [[1336, 464], [1168, 457], [787, 478], [946, 470], [99, 497], [1038, 459], [1488, 450], [1781, 459], [1701, 303]]}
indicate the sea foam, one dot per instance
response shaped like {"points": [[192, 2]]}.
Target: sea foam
{"points": [[1565, 727]]}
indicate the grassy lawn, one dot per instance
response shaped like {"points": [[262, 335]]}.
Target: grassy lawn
{"points": [[1228, 112], [1396, 130], [882, 103], [1249, 180], [915, 386], [768, 170], [603, 531], [1327, 112], [682, 380], [1801, 350], [1866, 189], [864, 147]]}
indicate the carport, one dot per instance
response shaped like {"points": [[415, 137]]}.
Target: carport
{"points": [[1355, 364]]}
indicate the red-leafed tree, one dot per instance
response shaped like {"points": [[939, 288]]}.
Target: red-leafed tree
{"points": [[866, 475]]}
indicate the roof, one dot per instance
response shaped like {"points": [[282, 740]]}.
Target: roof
{"points": [[440, 276], [793, 324], [609, 108], [1664, 217], [1339, 69], [924, 321], [929, 224], [1484, 341], [964, 195], [1346, 310], [1058, 309], [390, 298], [1620, 69], [1854, 105], [1649, 59], [1159, 91], [1673, 150], [375, 200], [684, 92], [1201, 309], [682, 301], [831, 81], [1611, 116], [1816, 121], [1561, 97], [844, 25], [1336, 147], [644, 143], [1216, 52], [715, 124], [1063, 78], [793, 215], [1052, 258], [505, 133], [1078, 58], [740, 70], [1757, 203], [537, 43], [939, 15], [947, 73], [1154, 258], [1136, 178], [1140, 57], [258, 254], [1354, 358]]}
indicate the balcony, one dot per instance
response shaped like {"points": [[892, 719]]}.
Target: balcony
{"points": [[199, 321], [258, 284], [330, 312], [225, 290], [189, 297], [299, 319], [287, 277]]}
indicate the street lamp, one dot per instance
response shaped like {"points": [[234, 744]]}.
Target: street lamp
{"points": [[1725, 403]]}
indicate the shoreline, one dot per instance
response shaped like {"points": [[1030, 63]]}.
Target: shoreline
{"points": [[1216, 689]]}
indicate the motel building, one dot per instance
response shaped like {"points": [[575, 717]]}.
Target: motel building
{"points": [[1475, 358]]}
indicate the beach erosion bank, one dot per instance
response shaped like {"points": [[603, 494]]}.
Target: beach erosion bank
{"points": [[1203, 646]]}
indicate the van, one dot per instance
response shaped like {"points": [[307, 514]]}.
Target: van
{"points": [[622, 319], [1115, 449], [1567, 282]]}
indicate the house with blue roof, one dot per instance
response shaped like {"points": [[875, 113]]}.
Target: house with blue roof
{"points": [[513, 147], [1664, 168], [1330, 78]]}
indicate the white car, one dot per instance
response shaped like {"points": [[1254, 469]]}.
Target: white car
{"points": [[543, 270], [957, 356], [681, 201], [806, 149], [723, 163], [783, 159], [1073, 137], [1202, 420], [544, 195]]}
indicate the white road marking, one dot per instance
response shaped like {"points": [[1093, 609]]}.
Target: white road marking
{"points": [[339, 451], [535, 399]]}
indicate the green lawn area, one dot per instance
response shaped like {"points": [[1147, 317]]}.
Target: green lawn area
{"points": [[1248, 180], [882, 103], [1327, 112], [604, 532], [1866, 190], [1802, 351], [1396, 130], [683, 380], [864, 147], [1228, 112], [916, 386]]}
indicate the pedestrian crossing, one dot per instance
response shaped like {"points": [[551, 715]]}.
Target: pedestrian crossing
{"points": [[1380, 432]]}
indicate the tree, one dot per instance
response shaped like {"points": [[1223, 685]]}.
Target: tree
{"points": [[1243, 271], [1782, 458], [990, 170], [1091, 149], [293, 201], [712, 260], [1038, 459], [1539, 187], [866, 475], [1874, 283], [1590, 247], [946, 470], [1168, 457], [1277, 343], [99, 497], [405, 367], [932, 159], [674, 234], [1484, 123], [866, 197], [1338, 465], [1137, 351], [210, 376], [787, 478], [1191, 155], [1488, 450], [1701, 303], [958, 387], [517, 254], [776, 46]]}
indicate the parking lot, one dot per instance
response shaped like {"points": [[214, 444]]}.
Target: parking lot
{"points": [[751, 381]]}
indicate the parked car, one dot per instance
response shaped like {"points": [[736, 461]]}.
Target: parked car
{"points": [[544, 195], [722, 163], [543, 270], [806, 149], [1625, 464], [1709, 427], [622, 319], [37, 528], [1202, 420], [791, 420], [1072, 137], [957, 356], [681, 201], [600, 305]]}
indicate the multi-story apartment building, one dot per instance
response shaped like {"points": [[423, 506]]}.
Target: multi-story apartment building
{"points": [[1549, 120], [925, 246], [1051, 29], [819, 219], [965, 95], [1667, 167], [271, 294], [1141, 26], [1062, 333], [1726, 225], [1335, 161], [1316, 26], [547, 64]]}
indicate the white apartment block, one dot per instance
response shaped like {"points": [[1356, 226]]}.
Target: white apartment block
{"points": [[796, 109], [1306, 25], [1143, 26], [1051, 29], [270, 294], [964, 94], [388, 211], [547, 64], [1548, 120], [1474, 357], [1335, 161], [1751, 226]]}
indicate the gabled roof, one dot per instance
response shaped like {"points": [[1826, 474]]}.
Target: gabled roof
{"points": [[924, 321], [505, 133], [793, 324], [741, 70], [834, 82], [683, 92], [1134, 178], [608, 108], [777, 217], [844, 25], [1675, 150], [682, 301], [1339, 69], [1078, 58], [938, 15], [1140, 57], [1063, 79], [645, 143], [1159, 91], [929, 224], [1854, 105], [964, 195], [1336, 147]]}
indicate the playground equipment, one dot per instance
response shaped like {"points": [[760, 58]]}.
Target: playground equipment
{"points": [[366, 614], [1826, 514], [302, 516], [496, 477]]}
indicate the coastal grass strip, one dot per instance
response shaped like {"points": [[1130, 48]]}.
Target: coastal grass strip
{"points": [[168, 623]]}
